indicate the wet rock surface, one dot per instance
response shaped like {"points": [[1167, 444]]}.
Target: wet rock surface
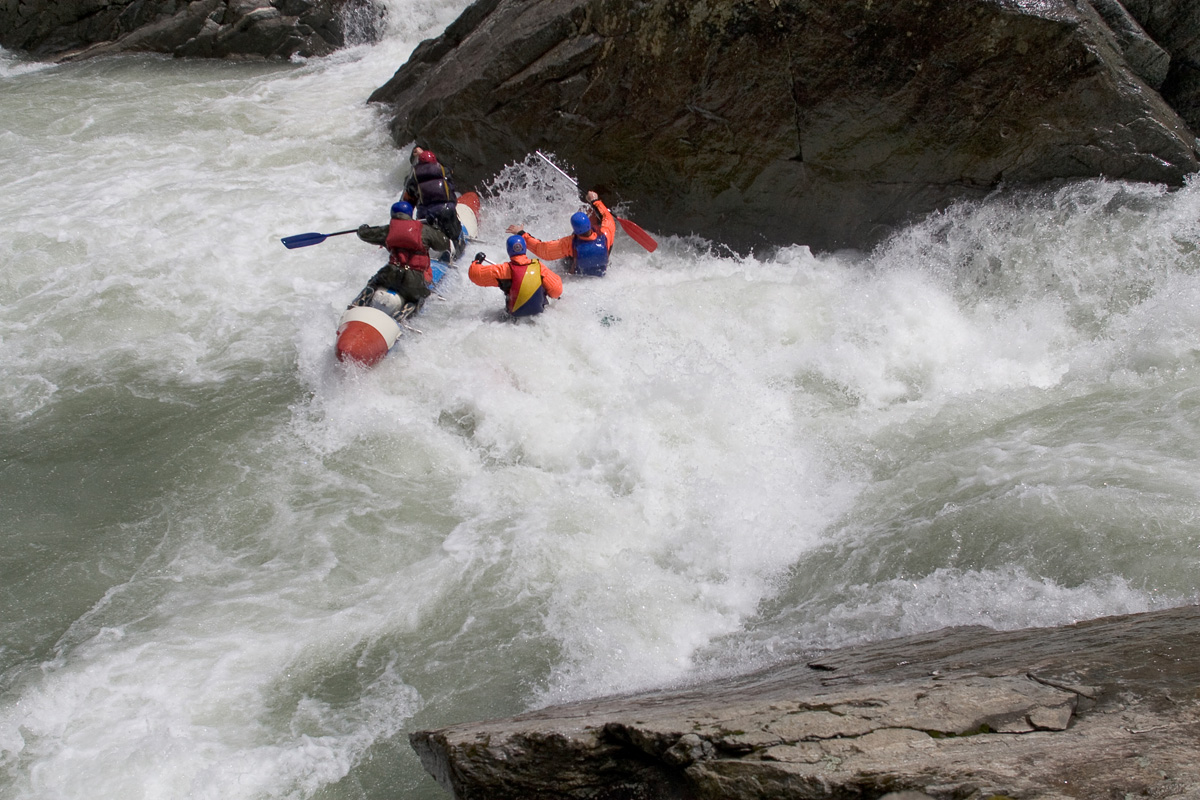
{"points": [[256, 29], [1104, 708], [780, 121]]}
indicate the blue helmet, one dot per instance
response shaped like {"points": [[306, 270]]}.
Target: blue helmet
{"points": [[402, 207], [581, 224], [516, 245]]}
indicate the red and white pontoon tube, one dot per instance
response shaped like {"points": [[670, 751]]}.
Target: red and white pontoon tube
{"points": [[365, 334]]}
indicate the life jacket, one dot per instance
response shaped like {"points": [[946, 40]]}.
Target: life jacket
{"points": [[526, 295], [590, 255], [432, 185], [406, 248]]}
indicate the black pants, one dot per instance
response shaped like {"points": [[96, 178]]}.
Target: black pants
{"points": [[408, 283], [445, 219]]}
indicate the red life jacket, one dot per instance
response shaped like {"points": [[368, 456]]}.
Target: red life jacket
{"points": [[406, 247]]}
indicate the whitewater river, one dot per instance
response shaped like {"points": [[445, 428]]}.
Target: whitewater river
{"points": [[231, 568]]}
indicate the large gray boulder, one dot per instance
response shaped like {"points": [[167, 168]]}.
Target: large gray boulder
{"points": [[778, 121], [1104, 708], [1175, 25], [259, 29]]}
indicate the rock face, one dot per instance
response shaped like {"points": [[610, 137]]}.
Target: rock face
{"points": [[1102, 709], [826, 123], [1175, 25], [275, 29]]}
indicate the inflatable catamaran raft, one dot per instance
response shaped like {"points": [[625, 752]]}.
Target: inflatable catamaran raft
{"points": [[365, 334]]}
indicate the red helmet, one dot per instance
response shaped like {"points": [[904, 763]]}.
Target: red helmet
{"points": [[427, 157]]}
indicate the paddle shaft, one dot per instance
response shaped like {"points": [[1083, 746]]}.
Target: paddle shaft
{"points": [[632, 229], [562, 172]]}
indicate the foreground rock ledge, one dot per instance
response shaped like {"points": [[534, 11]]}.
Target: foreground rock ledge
{"points": [[1108, 708]]}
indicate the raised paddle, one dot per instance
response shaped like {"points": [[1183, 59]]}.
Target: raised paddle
{"points": [[306, 239], [632, 229]]}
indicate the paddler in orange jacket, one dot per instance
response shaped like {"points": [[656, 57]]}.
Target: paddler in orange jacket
{"points": [[589, 244], [526, 282]]}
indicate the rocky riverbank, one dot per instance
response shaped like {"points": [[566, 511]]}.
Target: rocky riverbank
{"points": [[246, 29], [1108, 708]]}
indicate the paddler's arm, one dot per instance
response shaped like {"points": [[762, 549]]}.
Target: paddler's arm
{"points": [[487, 274], [608, 223], [373, 234], [434, 239], [551, 281], [552, 250]]}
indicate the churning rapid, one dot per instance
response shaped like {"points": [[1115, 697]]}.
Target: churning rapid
{"points": [[233, 568]]}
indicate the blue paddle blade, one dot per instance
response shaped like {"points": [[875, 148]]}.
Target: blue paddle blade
{"points": [[305, 239], [302, 240]]}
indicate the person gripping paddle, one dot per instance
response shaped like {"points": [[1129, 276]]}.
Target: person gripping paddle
{"points": [[632, 229], [587, 246]]}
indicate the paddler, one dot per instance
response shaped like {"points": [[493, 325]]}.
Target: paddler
{"points": [[430, 189], [409, 244], [587, 246], [526, 282]]}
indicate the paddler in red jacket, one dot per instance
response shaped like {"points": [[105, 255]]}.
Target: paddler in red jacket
{"points": [[408, 243], [589, 244], [526, 282]]}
